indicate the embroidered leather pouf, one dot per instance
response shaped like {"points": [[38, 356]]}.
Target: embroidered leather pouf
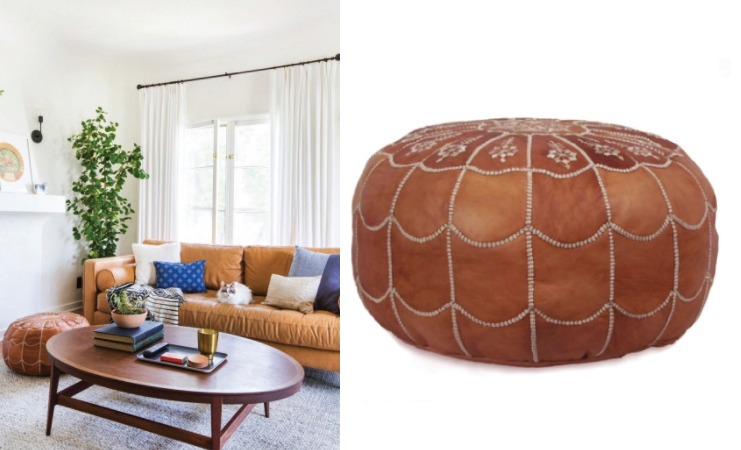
{"points": [[534, 242], [24, 344]]}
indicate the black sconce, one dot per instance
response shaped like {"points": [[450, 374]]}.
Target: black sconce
{"points": [[36, 135]]}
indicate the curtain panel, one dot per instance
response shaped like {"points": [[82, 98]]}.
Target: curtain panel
{"points": [[162, 127], [305, 187]]}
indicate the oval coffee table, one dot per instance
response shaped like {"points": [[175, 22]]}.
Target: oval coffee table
{"points": [[253, 373]]}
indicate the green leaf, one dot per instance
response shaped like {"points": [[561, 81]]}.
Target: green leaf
{"points": [[101, 212]]}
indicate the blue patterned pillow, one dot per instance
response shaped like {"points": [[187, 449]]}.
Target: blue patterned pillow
{"points": [[187, 277]]}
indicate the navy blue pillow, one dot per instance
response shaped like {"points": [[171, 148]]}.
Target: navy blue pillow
{"points": [[187, 277], [328, 295]]}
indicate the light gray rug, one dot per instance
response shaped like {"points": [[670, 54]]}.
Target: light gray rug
{"points": [[307, 420]]}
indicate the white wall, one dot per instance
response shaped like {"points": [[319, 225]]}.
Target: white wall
{"points": [[38, 75], [223, 97]]}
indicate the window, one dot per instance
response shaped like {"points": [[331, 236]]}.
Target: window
{"points": [[226, 182]]}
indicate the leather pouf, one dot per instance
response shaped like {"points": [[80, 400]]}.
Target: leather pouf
{"points": [[24, 344], [534, 242]]}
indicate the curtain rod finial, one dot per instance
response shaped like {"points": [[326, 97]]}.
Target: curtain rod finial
{"points": [[138, 87], [337, 57]]}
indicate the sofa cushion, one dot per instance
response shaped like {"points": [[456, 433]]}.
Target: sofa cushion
{"points": [[145, 256], [187, 277], [306, 263], [320, 330], [297, 293], [328, 294], [262, 262], [223, 262]]}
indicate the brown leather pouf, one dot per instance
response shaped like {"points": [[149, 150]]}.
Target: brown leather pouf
{"points": [[24, 344], [534, 242]]}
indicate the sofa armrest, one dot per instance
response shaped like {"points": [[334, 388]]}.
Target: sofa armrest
{"points": [[115, 265]]}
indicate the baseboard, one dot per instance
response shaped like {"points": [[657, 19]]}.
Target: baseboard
{"points": [[67, 307]]}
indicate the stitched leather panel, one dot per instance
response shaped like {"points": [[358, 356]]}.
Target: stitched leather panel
{"points": [[533, 241]]}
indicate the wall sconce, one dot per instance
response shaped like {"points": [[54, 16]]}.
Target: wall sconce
{"points": [[36, 135]]}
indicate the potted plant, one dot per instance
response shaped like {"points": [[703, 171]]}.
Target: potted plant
{"points": [[101, 210], [124, 313]]}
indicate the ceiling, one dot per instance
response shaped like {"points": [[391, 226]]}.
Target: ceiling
{"points": [[185, 31]]}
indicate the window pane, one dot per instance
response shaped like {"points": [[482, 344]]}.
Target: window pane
{"points": [[221, 187], [252, 145], [251, 228], [251, 188], [220, 227], [199, 187], [199, 143], [197, 227]]}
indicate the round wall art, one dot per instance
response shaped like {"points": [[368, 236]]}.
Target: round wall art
{"points": [[11, 163]]}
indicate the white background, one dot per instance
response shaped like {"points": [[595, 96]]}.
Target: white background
{"points": [[667, 68]]}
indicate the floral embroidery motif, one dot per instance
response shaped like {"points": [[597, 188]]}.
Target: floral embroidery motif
{"points": [[504, 150], [422, 146], [450, 149], [561, 154], [527, 126], [641, 151], [602, 149]]}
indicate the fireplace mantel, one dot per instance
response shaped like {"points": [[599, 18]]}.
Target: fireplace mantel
{"points": [[11, 202], [24, 277]]}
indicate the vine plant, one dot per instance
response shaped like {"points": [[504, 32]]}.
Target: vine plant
{"points": [[101, 210]]}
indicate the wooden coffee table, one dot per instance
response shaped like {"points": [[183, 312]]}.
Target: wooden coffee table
{"points": [[253, 373]]}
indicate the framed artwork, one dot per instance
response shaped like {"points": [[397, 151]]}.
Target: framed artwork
{"points": [[16, 171]]}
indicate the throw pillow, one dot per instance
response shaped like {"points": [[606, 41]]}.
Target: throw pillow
{"points": [[186, 277], [145, 255], [297, 293], [307, 264], [328, 294]]}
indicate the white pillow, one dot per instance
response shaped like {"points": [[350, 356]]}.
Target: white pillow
{"points": [[145, 255], [296, 293]]}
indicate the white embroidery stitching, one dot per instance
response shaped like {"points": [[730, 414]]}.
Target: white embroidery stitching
{"points": [[560, 154], [504, 150]]}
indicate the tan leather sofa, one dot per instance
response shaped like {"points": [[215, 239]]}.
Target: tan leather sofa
{"points": [[313, 339]]}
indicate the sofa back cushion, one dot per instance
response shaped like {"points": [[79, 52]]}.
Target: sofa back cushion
{"points": [[223, 262], [260, 263]]}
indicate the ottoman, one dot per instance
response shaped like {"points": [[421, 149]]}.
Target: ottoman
{"points": [[24, 344], [534, 242]]}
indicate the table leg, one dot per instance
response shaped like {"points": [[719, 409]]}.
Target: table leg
{"points": [[267, 410], [216, 407], [53, 397]]}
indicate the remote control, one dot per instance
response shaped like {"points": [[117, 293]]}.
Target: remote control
{"points": [[156, 348]]}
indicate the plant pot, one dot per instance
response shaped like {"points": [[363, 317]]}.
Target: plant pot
{"points": [[128, 320]]}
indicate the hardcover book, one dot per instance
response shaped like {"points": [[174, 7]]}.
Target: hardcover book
{"points": [[131, 348], [112, 332]]}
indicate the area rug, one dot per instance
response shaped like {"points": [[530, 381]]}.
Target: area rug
{"points": [[307, 420]]}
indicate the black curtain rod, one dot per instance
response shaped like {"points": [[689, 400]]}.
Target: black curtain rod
{"points": [[225, 74]]}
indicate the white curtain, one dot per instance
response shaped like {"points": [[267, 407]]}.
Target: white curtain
{"points": [[305, 121], [162, 116]]}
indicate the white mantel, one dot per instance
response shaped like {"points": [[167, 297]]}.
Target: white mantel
{"points": [[22, 271], [11, 202]]}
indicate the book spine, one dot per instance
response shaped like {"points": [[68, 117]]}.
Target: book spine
{"points": [[149, 340], [144, 336], [128, 347], [134, 340]]}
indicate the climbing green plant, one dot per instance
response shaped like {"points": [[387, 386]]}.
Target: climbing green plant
{"points": [[101, 211]]}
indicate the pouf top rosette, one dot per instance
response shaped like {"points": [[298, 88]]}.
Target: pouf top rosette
{"points": [[534, 242]]}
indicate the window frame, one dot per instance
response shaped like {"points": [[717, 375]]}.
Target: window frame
{"points": [[231, 123]]}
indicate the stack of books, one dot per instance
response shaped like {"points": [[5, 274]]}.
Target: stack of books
{"points": [[129, 339]]}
